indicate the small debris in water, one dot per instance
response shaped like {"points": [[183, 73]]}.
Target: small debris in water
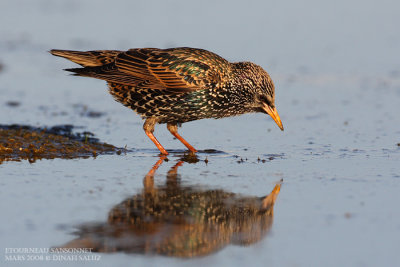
{"points": [[21, 142], [211, 151], [206, 160], [94, 114], [84, 111], [398, 144], [241, 160], [13, 104], [190, 158]]}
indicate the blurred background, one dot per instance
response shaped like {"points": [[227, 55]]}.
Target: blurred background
{"points": [[342, 37]]}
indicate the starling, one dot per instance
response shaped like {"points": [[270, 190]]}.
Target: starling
{"points": [[179, 220], [178, 85]]}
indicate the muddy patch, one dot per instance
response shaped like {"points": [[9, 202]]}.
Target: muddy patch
{"points": [[22, 142]]}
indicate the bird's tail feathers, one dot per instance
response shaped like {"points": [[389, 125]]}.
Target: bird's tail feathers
{"points": [[87, 72], [88, 58]]}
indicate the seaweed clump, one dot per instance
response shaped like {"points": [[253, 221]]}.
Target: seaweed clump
{"points": [[22, 142]]}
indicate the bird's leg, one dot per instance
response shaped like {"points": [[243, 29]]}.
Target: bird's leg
{"points": [[155, 167], [172, 175], [173, 128], [174, 170], [148, 180], [148, 127]]}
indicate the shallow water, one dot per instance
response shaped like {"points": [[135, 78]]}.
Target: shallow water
{"points": [[335, 68]]}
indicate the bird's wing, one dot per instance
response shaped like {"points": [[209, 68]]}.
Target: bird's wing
{"points": [[98, 64], [109, 73], [174, 70]]}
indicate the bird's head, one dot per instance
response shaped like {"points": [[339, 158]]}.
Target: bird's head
{"points": [[259, 84]]}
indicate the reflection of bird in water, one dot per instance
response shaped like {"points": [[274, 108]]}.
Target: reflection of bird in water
{"points": [[181, 221], [178, 85]]}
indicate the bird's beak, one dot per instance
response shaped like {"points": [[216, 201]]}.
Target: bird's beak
{"points": [[274, 114]]}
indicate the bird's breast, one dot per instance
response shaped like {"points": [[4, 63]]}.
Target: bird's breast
{"points": [[179, 107]]}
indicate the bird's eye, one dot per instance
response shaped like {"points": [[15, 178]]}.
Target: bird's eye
{"points": [[265, 99]]}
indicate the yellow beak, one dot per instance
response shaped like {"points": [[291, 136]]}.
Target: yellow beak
{"points": [[274, 115]]}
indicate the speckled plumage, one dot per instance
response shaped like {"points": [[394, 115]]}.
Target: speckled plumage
{"points": [[178, 85], [180, 221]]}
